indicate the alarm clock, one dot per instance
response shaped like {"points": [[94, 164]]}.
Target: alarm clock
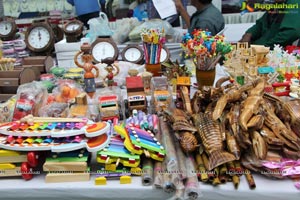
{"points": [[164, 54], [104, 47], [133, 53], [73, 30], [8, 29], [39, 38]]}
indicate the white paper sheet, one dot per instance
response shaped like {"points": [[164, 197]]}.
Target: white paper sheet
{"points": [[165, 8]]}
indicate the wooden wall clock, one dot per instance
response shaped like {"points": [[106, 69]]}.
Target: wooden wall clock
{"points": [[104, 47], [40, 38], [133, 53], [8, 29], [73, 30]]}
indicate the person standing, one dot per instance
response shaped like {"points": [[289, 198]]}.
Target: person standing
{"points": [[275, 27], [86, 10], [207, 17], [173, 20]]}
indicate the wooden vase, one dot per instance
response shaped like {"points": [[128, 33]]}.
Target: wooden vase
{"points": [[155, 69], [205, 77]]}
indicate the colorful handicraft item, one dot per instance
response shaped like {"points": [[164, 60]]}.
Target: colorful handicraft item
{"points": [[55, 134], [140, 141], [116, 153]]}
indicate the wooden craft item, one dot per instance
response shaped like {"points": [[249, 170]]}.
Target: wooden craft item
{"points": [[54, 136], [138, 140], [11, 157], [65, 166], [10, 81], [67, 177], [117, 153], [40, 64], [31, 119], [11, 172]]}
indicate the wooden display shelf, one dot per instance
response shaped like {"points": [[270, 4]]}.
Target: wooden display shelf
{"points": [[39, 64], [10, 81]]}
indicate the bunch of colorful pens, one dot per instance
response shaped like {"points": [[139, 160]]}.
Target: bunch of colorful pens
{"points": [[143, 121], [153, 40]]}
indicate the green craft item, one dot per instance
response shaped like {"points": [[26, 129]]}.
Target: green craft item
{"points": [[57, 71], [49, 85]]}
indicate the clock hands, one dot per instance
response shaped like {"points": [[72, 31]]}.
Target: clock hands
{"points": [[39, 35]]}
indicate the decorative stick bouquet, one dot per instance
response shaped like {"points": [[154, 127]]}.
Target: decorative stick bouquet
{"points": [[153, 40], [205, 48]]}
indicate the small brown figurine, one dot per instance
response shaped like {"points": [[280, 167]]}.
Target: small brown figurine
{"points": [[89, 77], [110, 68]]}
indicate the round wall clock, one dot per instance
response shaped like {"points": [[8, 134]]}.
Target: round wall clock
{"points": [[73, 30], [39, 37], [164, 54], [104, 48], [8, 29], [133, 53]]}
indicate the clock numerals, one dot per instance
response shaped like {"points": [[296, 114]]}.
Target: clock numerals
{"points": [[133, 53], [39, 37], [103, 50], [5, 28]]}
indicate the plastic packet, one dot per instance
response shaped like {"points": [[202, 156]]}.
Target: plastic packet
{"points": [[30, 98], [135, 34], [99, 27], [7, 109], [54, 109]]}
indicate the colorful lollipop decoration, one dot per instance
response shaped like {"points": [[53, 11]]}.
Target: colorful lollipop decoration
{"points": [[205, 48]]}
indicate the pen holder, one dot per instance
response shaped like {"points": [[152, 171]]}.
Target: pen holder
{"points": [[155, 69]]}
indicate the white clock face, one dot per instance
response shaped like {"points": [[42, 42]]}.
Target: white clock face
{"points": [[72, 27], [132, 54], [103, 50], [5, 27], [163, 55], [39, 37]]}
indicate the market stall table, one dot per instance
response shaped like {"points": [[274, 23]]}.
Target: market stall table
{"points": [[37, 189]]}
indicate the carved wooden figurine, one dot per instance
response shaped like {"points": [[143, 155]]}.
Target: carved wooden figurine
{"points": [[89, 77], [110, 68]]}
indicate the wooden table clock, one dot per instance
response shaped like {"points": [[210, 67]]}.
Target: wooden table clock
{"points": [[73, 30], [133, 53], [8, 29], [104, 47], [40, 38]]}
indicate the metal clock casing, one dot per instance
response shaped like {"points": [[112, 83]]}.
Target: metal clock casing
{"points": [[133, 53], [103, 48], [8, 29], [40, 37], [73, 30]]}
